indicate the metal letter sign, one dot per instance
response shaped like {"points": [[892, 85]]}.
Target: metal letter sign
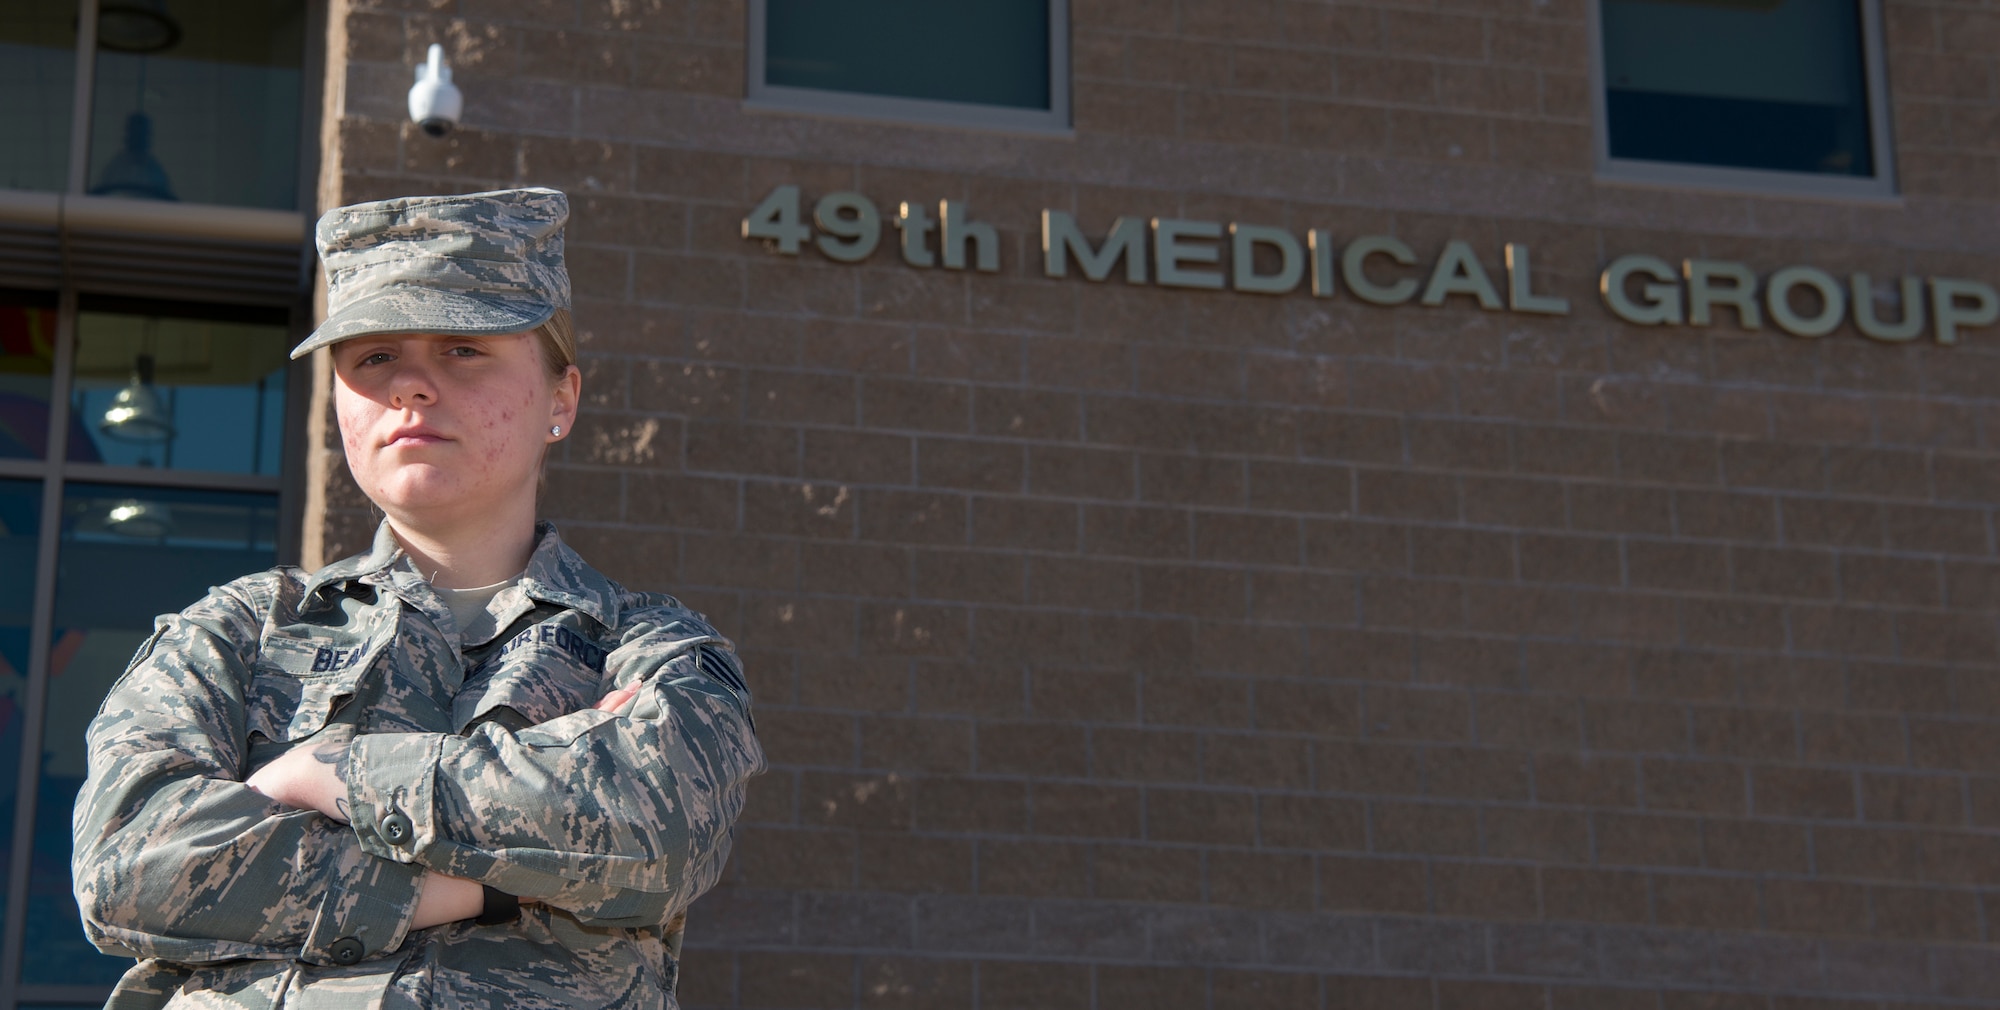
{"points": [[1636, 288]]}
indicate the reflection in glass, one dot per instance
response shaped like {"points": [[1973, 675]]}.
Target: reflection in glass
{"points": [[136, 27], [27, 367], [37, 85], [1777, 85], [20, 514], [112, 579], [983, 52], [179, 393], [198, 100]]}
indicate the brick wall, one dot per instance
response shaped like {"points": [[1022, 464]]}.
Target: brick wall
{"points": [[1119, 646]]}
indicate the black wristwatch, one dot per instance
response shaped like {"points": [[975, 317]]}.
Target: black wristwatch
{"points": [[501, 908]]}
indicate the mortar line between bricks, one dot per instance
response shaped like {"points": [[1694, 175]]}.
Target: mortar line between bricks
{"points": [[1458, 745], [1348, 971], [1127, 393], [1459, 803], [1566, 482], [1195, 511], [1682, 644]]}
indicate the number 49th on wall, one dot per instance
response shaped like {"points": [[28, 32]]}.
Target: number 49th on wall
{"points": [[850, 228]]}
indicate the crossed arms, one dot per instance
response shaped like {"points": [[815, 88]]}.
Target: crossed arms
{"points": [[619, 816]]}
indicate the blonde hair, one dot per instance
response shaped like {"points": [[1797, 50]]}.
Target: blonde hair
{"points": [[557, 338]]}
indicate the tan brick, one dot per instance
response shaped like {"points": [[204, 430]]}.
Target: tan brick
{"points": [[1373, 885], [909, 863], [790, 980], [1262, 990], [1341, 126], [1926, 913], [896, 983], [1914, 799], [1440, 136], [1590, 895], [1650, 841], [1485, 890], [1813, 906], [1017, 985], [1702, 902], [1258, 880], [1118, 108], [1147, 873], [1424, 829]]}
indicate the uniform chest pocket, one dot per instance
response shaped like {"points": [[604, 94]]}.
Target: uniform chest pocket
{"points": [[545, 671], [294, 694]]}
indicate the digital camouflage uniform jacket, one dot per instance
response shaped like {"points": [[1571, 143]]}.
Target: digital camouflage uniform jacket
{"points": [[477, 759]]}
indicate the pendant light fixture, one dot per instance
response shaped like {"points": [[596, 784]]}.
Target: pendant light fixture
{"points": [[133, 171], [138, 29], [136, 414], [140, 520]]}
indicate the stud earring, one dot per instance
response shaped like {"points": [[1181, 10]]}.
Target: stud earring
{"points": [[556, 430]]}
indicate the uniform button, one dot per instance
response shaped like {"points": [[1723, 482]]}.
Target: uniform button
{"points": [[346, 950], [396, 828]]}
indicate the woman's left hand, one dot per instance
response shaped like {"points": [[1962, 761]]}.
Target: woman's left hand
{"points": [[309, 778], [616, 700]]}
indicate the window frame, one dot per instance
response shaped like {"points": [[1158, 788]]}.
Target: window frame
{"points": [[1056, 120], [54, 233], [1881, 186], [55, 475]]}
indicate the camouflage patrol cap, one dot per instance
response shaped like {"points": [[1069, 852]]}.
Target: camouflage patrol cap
{"points": [[480, 263]]}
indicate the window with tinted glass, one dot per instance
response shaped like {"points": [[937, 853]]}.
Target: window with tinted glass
{"points": [[128, 553], [1782, 93], [27, 368], [37, 84], [997, 63], [142, 472], [164, 387], [199, 101]]}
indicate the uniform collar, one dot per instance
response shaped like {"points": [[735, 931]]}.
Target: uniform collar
{"points": [[555, 574], [385, 551]]}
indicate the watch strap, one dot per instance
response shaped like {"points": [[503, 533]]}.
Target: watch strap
{"points": [[501, 907]]}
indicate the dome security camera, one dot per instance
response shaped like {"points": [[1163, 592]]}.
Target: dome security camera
{"points": [[434, 101]]}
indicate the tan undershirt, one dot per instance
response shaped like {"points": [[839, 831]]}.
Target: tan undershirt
{"points": [[468, 608]]}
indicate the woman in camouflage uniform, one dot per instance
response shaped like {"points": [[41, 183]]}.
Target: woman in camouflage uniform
{"points": [[462, 769]]}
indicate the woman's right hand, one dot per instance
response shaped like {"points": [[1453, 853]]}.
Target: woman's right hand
{"points": [[442, 899]]}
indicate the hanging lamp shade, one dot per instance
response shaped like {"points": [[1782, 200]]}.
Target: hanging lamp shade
{"points": [[133, 171], [141, 520], [137, 27], [136, 414]]}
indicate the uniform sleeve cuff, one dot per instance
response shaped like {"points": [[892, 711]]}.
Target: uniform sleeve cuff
{"points": [[391, 791], [366, 912]]}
